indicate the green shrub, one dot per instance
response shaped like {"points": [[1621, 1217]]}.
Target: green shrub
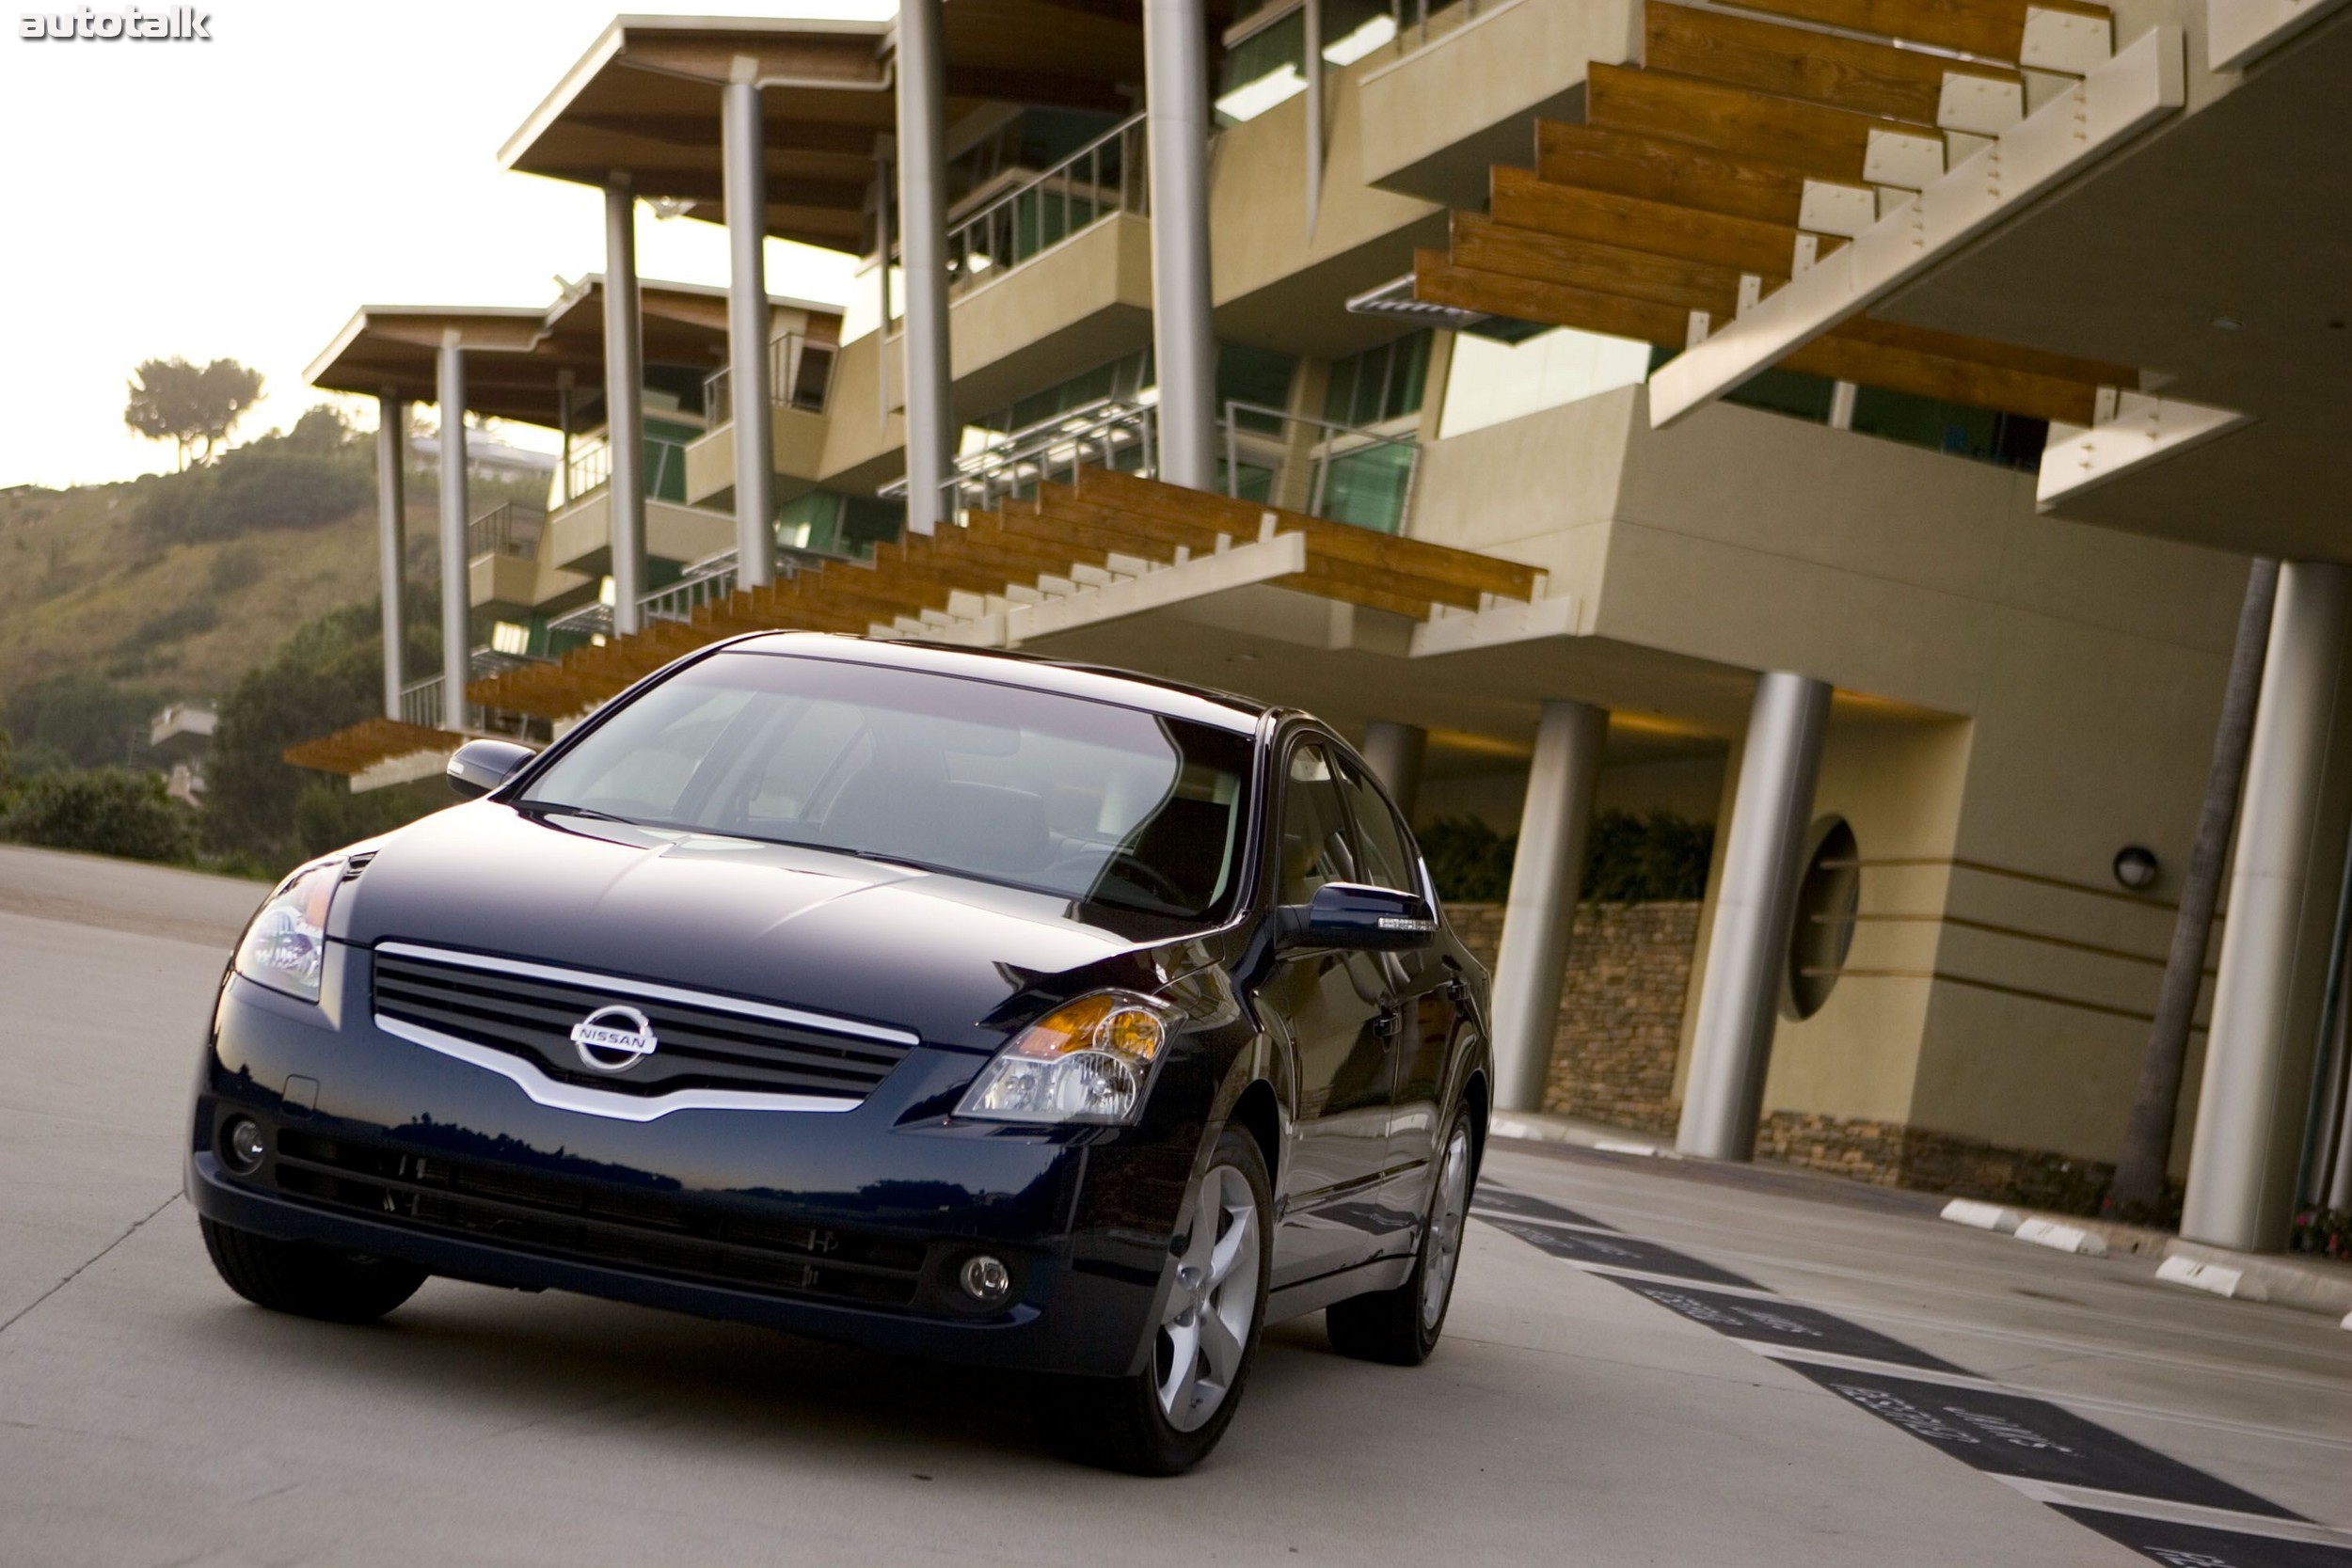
{"points": [[329, 815], [80, 713], [107, 811], [176, 624], [1627, 859], [269, 483]]}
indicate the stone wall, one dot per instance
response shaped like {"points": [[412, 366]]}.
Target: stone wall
{"points": [[1612, 1060], [1612, 1057]]}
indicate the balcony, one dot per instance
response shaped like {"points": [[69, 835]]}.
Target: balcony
{"points": [[502, 571], [1463, 82], [800, 381]]}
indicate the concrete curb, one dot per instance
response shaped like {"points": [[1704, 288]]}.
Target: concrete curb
{"points": [[1547, 1128], [2290, 1279]]}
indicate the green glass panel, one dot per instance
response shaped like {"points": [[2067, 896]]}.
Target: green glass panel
{"points": [[1367, 488]]}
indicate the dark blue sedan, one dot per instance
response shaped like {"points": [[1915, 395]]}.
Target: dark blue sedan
{"points": [[955, 1004]]}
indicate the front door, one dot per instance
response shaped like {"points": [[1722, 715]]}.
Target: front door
{"points": [[1341, 1033]]}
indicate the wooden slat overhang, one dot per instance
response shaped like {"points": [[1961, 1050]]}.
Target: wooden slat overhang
{"points": [[1104, 521], [1687, 194]]}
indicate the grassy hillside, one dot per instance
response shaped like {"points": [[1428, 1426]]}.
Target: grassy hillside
{"points": [[84, 587]]}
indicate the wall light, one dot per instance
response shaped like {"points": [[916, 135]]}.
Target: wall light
{"points": [[2135, 867]]}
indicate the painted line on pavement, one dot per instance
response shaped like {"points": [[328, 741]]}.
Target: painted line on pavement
{"points": [[2157, 1506]]}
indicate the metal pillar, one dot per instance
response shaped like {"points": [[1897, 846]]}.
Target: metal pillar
{"points": [[1311, 20], [457, 633], [624, 405], [1395, 752], [2266, 1003], [744, 153], [392, 539], [563, 429], [1184, 336], [922, 151], [1755, 903], [1540, 916]]}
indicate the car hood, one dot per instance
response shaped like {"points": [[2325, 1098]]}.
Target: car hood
{"points": [[871, 940]]}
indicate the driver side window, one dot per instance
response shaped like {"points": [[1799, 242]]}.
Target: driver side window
{"points": [[1316, 845]]}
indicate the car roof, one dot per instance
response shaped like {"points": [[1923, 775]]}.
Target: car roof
{"points": [[1172, 699]]}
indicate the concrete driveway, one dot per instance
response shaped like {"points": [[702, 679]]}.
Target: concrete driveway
{"points": [[1647, 1363]]}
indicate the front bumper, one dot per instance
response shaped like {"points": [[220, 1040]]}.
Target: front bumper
{"points": [[848, 1225]]}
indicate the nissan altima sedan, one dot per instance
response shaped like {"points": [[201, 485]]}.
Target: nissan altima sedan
{"points": [[955, 1004]]}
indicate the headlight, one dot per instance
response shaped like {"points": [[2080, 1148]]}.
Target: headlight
{"points": [[286, 945], [1088, 1060]]}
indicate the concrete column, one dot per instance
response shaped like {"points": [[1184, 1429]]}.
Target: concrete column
{"points": [[1754, 906], [391, 540], [743, 153], [2274, 938], [456, 635], [922, 151], [1311, 25], [624, 404], [1541, 915], [563, 429], [1184, 336], [1395, 752]]}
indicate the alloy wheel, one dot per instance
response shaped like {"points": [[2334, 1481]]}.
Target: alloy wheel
{"points": [[1447, 1216], [1205, 1329]]}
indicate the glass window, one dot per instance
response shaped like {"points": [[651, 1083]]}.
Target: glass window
{"points": [[2011, 441], [1384, 383], [1268, 65], [1790, 392], [1084, 800], [1317, 846], [1385, 856]]}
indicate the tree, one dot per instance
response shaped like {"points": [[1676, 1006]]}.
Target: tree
{"points": [[174, 401], [106, 811]]}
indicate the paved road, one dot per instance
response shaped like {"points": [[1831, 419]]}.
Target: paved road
{"points": [[1599, 1398]]}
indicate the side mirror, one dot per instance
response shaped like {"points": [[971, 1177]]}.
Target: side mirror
{"points": [[480, 766], [1354, 916]]}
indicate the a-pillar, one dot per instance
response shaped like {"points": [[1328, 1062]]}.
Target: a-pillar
{"points": [[922, 153], [624, 405], [1541, 915], [743, 178], [456, 635], [2267, 999], [1184, 337], [1395, 752], [1756, 903], [391, 540]]}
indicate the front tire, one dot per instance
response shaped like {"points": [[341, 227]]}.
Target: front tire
{"points": [[1401, 1326], [1165, 1418], [306, 1280]]}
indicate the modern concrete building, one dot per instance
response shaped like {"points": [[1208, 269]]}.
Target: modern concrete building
{"points": [[1749, 415]]}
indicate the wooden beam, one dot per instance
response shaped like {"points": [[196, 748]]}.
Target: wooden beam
{"points": [[1812, 139], [1964, 381], [1797, 62], [1521, 201], [1438, 279], [1487, 245], [1994, 29], [1655, 169]]}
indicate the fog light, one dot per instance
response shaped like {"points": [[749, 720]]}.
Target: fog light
{"points": [[986, 1280], [242, 1146]]}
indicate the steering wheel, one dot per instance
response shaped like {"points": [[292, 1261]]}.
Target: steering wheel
{"points": [[1152, 878]]}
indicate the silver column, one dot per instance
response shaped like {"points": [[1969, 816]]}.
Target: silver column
{"points": [[2274, 938], [744, 153], [922, 152], [391, 540], [1754, 904], [1184, 336], [1311, 16], [1541, 915], [624, 404], [457, 637], [1395, 752]]}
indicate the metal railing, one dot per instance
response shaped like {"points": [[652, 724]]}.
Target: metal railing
{"points": [[592, 466], [1107, 176], [1345, 473], [1108, 433], [800, 374], [507, 529], [705, 581]]}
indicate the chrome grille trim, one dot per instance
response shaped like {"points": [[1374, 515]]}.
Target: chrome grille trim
{"points": [[714, 1001]]}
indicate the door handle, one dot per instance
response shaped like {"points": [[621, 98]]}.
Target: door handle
{"points": [[1387, 1024]]}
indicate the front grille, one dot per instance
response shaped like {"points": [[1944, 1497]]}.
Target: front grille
{"points": [[703, 1043], [597, 1222]]}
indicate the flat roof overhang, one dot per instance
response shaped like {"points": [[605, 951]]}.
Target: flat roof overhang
{"points": [[2235, 213], [519, 356], [644, 100]]}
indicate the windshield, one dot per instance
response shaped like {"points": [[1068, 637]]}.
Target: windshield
{"points": [[1082, 798]]}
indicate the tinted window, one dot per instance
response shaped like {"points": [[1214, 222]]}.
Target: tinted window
{"points": [[1385, 857], [1081, 799], [1317, 844]]}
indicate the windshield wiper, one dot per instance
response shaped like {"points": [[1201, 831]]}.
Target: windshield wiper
{"points": [[555, 808]]}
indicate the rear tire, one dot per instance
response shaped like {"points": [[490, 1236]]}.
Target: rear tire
{"points": [[1401, 1326], [1165, 1418], [306, 1280]]}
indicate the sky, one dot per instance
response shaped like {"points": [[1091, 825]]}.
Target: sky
{"points": [[242, 197]]}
